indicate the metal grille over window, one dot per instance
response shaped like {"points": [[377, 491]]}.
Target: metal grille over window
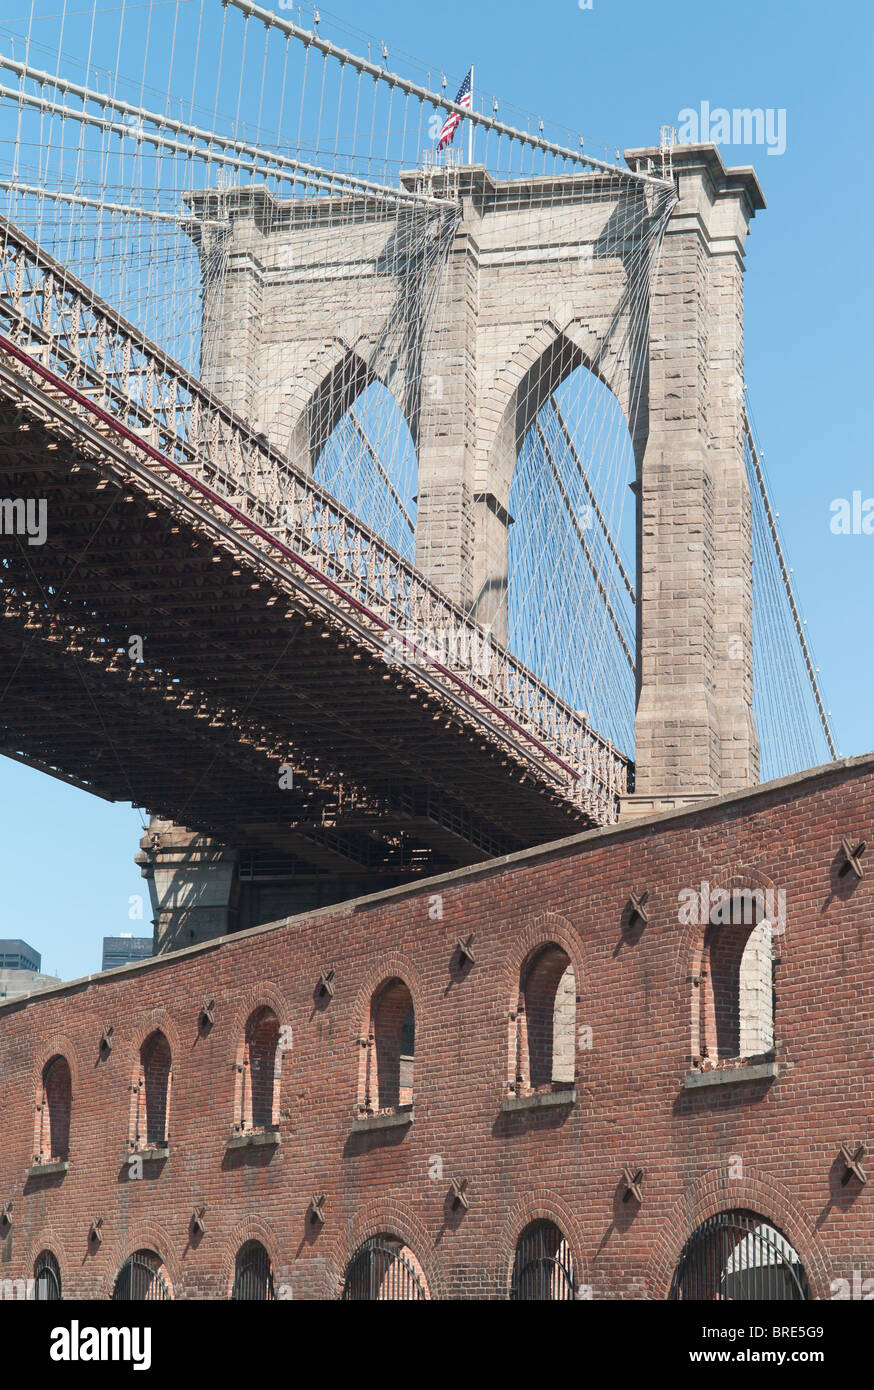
{"points": [[383, 1269], [737, 1256], [47, 1279], [543, 1269], [253, 1275], [141, 1279]]}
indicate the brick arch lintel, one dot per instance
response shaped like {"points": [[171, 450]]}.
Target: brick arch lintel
{"points": [[549, 928], [542, 1204], [263, 995], [390, 967], [55, 1045], [690, 945], [757, 1191], [142, 1026], [251, 1228], [147, 1235], [384, 1216], [47, 1238]]}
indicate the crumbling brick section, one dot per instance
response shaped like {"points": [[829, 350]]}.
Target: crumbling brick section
{"points": [[260, 1107], [54, 1113], [390, 1070], [153, 1091], [737, 997], [545, 1028]]}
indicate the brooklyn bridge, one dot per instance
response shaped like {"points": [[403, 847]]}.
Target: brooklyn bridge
{"points": [[401, 511], [382, 515]]}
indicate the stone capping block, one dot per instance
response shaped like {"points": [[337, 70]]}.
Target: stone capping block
{"points": [[729, 1076], [45, 1170], [254, 1140], [539, 1100], [368, 1122], [151, 1153]]}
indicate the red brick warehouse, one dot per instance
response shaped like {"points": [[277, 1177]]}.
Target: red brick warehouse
{"points": [[548, 1075]]}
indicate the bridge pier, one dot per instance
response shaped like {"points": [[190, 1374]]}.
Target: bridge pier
{"points": [[192, 885], [695, 735], [446, 551]]}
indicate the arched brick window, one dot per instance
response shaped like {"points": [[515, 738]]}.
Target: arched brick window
{"points": [[737, 986], [545, 1022], [261, 1070], [152, 1098], [54, 1111], [390, 1050]]}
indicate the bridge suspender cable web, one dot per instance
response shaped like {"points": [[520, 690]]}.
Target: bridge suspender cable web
{"points": [[794, 724]]}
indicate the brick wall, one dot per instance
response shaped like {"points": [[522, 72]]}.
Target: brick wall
{"points": [[769, 1145]]}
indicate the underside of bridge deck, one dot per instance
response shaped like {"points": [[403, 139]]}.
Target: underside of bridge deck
{"points": [[246, 682]]}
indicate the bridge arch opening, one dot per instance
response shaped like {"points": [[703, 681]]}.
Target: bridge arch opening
{"points": [[364, 452], [558, 562]]}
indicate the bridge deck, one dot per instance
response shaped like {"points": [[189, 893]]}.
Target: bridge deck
{"points": [[277, 630]]}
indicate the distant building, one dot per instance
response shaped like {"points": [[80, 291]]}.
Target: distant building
{"points": [[20, 969], [17, 955], [121, 950]]}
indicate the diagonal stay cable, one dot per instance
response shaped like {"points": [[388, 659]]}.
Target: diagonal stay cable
{"points": [[593, 501], [602, 592], [390, 488]]}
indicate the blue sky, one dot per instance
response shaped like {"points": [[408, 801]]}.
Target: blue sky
{"points": [[616, 72]]}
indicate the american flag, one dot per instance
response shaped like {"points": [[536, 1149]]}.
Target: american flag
{"points": [[453, 120]]}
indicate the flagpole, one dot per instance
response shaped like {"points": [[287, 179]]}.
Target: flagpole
{"points": [[470, 122]]}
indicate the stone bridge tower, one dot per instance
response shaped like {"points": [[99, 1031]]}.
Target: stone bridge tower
{"points": [[694, 730], [291, 334]]}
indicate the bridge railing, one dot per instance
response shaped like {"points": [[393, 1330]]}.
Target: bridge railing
{"points": [[75, 335]]}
